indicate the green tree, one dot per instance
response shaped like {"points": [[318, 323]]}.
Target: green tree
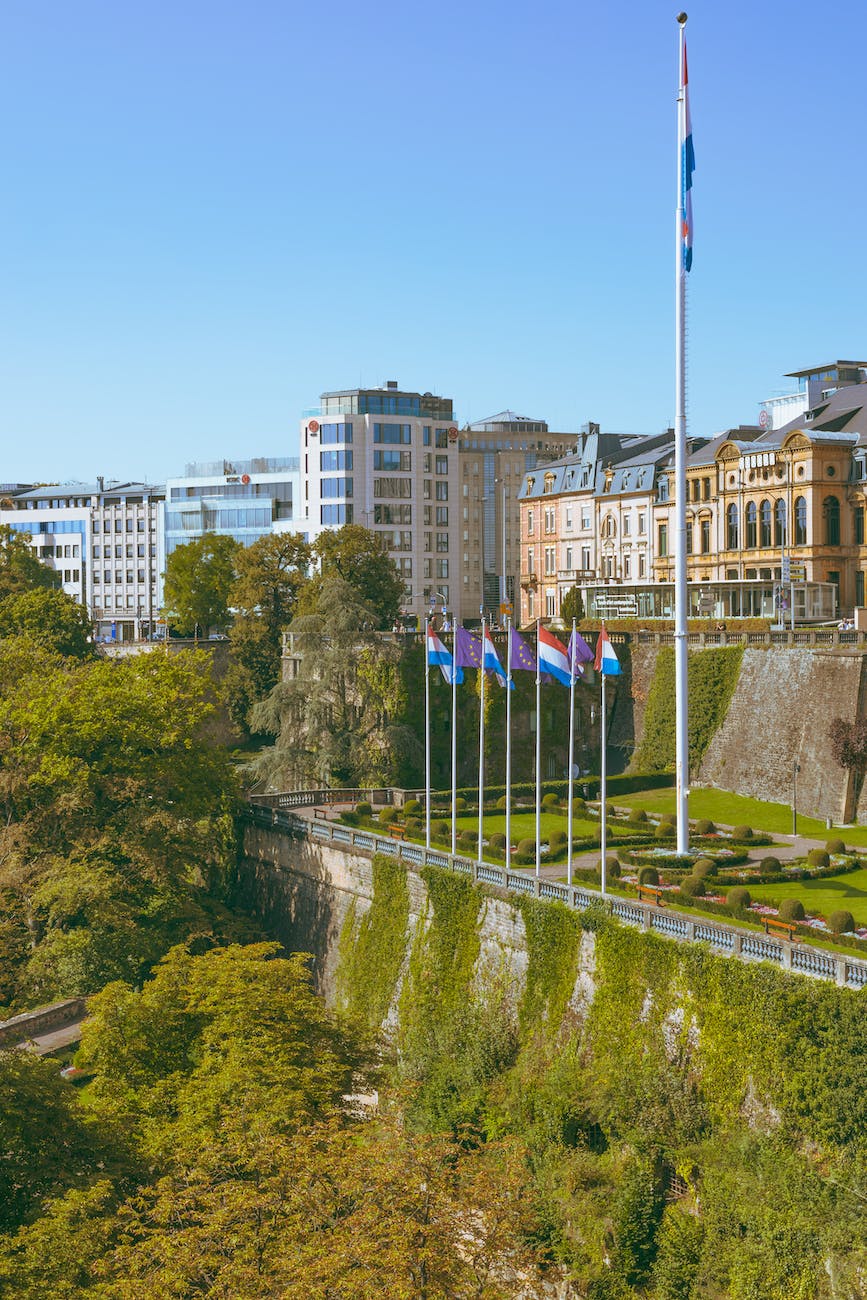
{"points": [[198, 581], [20, 569], [572, 606], [270, 574], [355, 555], [51, 618], [340, 720]]}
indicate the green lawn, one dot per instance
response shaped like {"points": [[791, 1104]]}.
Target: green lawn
{"points": [[736, 810], [524, 825], [822, 896]]}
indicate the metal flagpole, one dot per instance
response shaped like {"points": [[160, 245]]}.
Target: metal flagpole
{"points": [[426, 735], [538, 758], [572, 648], [482, 741], [680, 591], [508, 743], [603, 791], [454, 733]]}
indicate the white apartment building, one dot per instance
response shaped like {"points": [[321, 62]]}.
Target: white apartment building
{"points": [[105, 542], [244, 499]]}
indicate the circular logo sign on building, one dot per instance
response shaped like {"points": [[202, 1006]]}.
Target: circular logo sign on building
{"points": [[763, 420], [453, 433], [245, 478], [313, 426]]}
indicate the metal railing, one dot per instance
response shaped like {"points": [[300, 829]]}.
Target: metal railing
{"points": [[747, 945]]}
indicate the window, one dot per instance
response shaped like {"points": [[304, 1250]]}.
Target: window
{"points": [[800, 522], [567, 563], [96, 549], [831, 511], [129, 576], [627, 566], [531, 605], [331, 433], [442, 438], [530, 522], [705, 536], [626, 525], [549, 521], [688, 535], [442, 569], [663, 540], [332, 460], [141, 575], [585, 517], [705, 483], [96, 580], [752, 525], [585, 558], [642, 524], [106, 577], [442, 490], [96, 525], [765, 524], [732, 528], [442, 465], [641, 565], [426, 438], [389, 459], [550, 561], [118, 525], [335, 487], [442, 541], [338, 515], [859, 586], [696, 490], [392, 488], [531, 560], [392, 514], [395, 434], [568, 519], [140, 525], [858, 520], [550, 603], [129, 551], [780, 528]]}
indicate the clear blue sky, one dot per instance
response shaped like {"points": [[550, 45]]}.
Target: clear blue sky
{"points": [[214, 211]]}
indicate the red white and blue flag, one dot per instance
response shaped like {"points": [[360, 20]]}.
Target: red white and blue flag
{"points": [[553, 657], [439, 657], [687, 167], [491, 660], [606, 661]]}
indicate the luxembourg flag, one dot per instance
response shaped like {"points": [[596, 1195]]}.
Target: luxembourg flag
{"points": [[491, 660], [687, 167], [553, 657], [439, 657], [606, 661]]}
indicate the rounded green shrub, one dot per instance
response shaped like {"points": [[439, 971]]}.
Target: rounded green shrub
{"points": [[550, 801], [648, 876], [388, 815], [440, 830], [468, 837], [841, 922], [835, 846], [527, 848], [704, 826], [460, 804], [664, 831], [769, 865], [791, 909], [412, 808], [497, 842], [612, 868], [738, 899], [703, 867], [502, 801], [414, 825], [692, 887], [364, 809], [578, 804], [742, 833], [556, 841], [818, 858], [637, 816], [669, 818]]}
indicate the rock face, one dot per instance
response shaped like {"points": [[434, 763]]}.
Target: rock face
{"points": [[780, 713]]}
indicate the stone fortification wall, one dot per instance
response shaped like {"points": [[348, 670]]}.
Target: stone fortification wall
{"points": [[780, 712]]}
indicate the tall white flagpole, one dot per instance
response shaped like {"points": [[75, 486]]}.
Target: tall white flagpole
{"points": [[454, 734], [538, 758], [482, 741], [603, 790], [570, 788], [680, 589], [426, 736], [508, 743]]}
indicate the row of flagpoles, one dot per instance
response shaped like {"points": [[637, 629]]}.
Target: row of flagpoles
{"points": [[553, 662]]}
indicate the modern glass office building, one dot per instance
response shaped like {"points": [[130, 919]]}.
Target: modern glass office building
{"points": [[244, 499]]}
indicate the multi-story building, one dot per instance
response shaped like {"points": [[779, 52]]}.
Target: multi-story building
{"points": [[105, 542], [244, 499]]}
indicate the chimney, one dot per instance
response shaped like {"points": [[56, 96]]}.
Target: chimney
{"points": [[391, 383], [100, 482]]}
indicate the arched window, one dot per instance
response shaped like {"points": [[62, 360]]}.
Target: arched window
{"points": [[752, 516], [780, 523], [800, 522], [732, 528], [765, 524], [832, 521]]}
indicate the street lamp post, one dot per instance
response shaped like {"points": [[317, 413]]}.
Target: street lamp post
{"points": [[796, 767]]}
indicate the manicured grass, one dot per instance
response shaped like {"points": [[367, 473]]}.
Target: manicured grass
{"points": [[736, 810], [822, 896], [524, 825]]}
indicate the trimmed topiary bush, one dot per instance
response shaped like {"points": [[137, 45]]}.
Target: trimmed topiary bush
{"points": [[556, 841], [412, 808], [665, 830], [414, 825], [550, 801], [669, 819], [578, 804], [835, 846], [497, 842], [841, 922], [440, 830], [364, 809], [791, 909], [468, 837], [388, 815], [460, 804], [703, 867], [769, 864], [704, 826], [612, 868], [742, 833], [637, 817], [502, 801], [648, 876], [692, 887], [738, 899], [818, 858]]}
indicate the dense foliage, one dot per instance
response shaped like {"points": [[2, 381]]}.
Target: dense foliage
{"points": [[712, 677]]}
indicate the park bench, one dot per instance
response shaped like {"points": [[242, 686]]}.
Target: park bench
{"points": [[321, 814], [397, 832], [651, 894], [774, 926]]}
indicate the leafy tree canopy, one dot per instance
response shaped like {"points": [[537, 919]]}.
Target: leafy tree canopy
{"points": [[51, 618], [198, 581], [355, 555], [20, 569]]}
